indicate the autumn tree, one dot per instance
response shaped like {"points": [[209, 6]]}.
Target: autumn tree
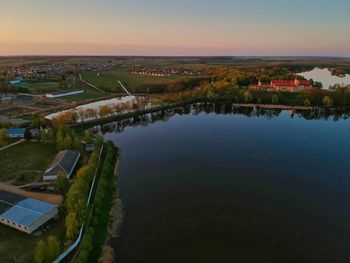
{"points": [[307, 102], [248, 97], [327, 101], [105, 110]]}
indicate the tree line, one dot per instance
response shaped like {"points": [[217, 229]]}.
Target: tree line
{"points": [[96, 233]]}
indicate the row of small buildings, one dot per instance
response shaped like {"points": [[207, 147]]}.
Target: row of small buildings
{"points": [[164, 72]]}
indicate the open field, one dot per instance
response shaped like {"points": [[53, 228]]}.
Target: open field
{"points": [[108, 80], [24, 163], [42, 87], [18, 247]]}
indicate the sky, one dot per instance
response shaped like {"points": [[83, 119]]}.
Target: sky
{"points": [[175, 28]]}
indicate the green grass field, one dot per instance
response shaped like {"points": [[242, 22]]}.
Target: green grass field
{"points": [[25, 162], [18, 247], [108, 80], [42, 87]]}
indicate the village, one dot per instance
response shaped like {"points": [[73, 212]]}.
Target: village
{"points": [[165, 72]]}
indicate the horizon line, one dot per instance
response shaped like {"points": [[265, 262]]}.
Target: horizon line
{"points": [[179, 56]]}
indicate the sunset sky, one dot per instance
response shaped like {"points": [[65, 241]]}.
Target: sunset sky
{"points": [[178, 27]]}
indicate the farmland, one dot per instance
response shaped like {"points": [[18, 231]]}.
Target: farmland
{"points": [[107, 80]]}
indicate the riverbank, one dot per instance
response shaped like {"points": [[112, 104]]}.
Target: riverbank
{"points": [[99, 219], [108, 253]]}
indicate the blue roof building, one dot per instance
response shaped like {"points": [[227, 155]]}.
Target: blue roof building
{"points": [[16, 132], [24, 214]]}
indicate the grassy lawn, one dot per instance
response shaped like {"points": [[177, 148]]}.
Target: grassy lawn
{"points": [[19, 247], [108, 80], [42, 87], [25, 163]]}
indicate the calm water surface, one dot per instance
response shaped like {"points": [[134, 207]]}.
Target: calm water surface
{"points": [[325, 77], [231, 188]]}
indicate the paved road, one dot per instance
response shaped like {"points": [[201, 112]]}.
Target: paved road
{"points": [[51, 198]]}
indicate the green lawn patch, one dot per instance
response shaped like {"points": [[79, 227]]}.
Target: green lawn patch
{"points": [[19, 247], [25, 162], [108, 80]]}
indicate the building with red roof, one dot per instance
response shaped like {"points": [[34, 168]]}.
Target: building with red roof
{"points": [[283, 85]]}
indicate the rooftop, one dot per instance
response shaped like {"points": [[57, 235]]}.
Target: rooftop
{"points": [[22, 210], [64, 161], [16, 131]]}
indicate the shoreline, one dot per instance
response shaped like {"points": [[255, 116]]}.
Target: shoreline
{"points": [[132, 114]]}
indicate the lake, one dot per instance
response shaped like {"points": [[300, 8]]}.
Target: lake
{"points": [[325, 77], [209, 183]]}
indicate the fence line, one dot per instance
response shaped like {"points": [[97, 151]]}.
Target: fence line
{"points": [[77, 241]]}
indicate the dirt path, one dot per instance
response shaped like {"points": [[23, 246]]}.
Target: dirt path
{"points": [[12, 144], [91, 85], [50, 198], [127, 92]]}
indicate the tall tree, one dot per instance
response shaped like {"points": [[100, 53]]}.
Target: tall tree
{"points": [[53, 248], [72, 225], [40, 252]]}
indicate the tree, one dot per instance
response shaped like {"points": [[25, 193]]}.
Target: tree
{"points": [[105, 110], [99, 139], [275, 99], [87, 137], [40, 252], [211, 95], [76, 144], [72, 225], [53, 248], [307, 102], [247, 97], [3, 137], [61, 182], [67, 142], [327, 101]]}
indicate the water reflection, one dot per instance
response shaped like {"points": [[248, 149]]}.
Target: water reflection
{"points": [[220, 109]]}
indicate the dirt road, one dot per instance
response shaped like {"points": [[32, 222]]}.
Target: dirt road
{"points": [[50, 198]]}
